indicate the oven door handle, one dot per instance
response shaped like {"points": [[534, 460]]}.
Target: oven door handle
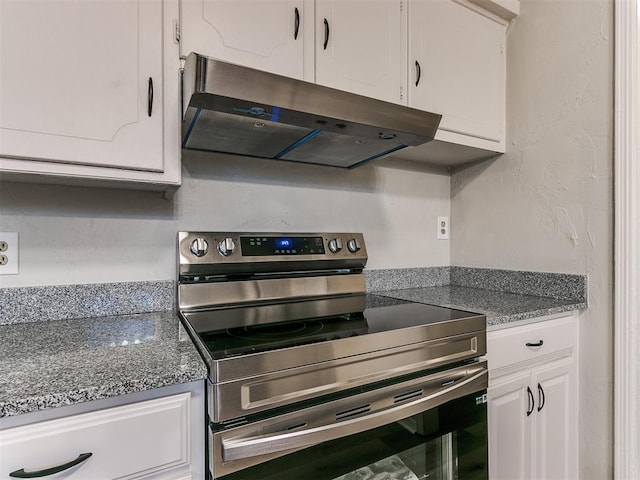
{"points": [[248, 447]]}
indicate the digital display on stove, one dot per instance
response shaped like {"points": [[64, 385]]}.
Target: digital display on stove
{"points": [[263, 246]]}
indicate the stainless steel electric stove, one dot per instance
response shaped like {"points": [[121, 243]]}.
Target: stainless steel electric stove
{"points": [[301, 359]]}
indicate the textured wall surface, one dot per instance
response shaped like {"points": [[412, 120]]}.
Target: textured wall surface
{"points": [[546, 204], [82, 235]]}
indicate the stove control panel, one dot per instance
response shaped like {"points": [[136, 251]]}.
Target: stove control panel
{"points": [[267, 251]]}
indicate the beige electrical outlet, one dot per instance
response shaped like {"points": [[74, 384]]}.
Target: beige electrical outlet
{"points": [[8, 253]]}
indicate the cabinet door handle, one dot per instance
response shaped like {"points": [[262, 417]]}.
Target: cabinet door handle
{"points": [[418, 73], [537, 344], [532, 402], [51, 470], [326, 34], [296, 23], [541, 397], [150, 97]]}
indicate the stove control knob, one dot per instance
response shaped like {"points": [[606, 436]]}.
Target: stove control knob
{"points": [[353, 245], [226, 247], [199, 247], [335, 245]]}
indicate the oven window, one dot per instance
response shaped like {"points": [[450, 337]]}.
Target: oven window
{"points": [[445, 443]]}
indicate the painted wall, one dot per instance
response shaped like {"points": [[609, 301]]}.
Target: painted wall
{"points": [[87, 235], [547, 204]]}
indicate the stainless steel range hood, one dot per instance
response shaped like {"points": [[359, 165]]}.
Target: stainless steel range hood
{"points": [[239, 110]]}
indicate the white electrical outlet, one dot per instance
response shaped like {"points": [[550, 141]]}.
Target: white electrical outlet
{"points": [[8, 253], [443, 228]]}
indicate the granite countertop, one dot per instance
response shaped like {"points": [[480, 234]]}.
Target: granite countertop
{"points": [[51, 364], [114, 351], [499, 307]]}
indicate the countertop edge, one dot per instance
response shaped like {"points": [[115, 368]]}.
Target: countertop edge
{"points": [[506, 319], [74, 397]]}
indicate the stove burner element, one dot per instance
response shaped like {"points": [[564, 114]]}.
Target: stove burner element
{"points": [[277, 331]]}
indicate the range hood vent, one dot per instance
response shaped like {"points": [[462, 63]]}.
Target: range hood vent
{"points": [[239, 110]]}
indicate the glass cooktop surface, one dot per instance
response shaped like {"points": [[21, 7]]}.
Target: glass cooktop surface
{"points": [[241, 330]]}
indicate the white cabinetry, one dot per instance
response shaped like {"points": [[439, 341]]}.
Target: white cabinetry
{"points": [[268, 36], [457, 64], [361, 47], [442, 56], [85, 91], [533, 401], [150, 439], [510, 438]]}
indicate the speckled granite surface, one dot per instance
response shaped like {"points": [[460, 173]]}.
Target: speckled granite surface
{"points": [[46, 364], [51, 364], [57, 302], [543, 284], [499, 307], [392, 279], [502, 295]]}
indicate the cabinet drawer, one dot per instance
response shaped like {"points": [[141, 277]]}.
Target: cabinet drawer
{"points": [[131, 441], [509, 346]]}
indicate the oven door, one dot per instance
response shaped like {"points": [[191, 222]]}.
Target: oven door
{"points": [[433, 426]]}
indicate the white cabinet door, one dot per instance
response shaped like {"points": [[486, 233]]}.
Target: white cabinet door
{"points": [[457, 68], [556, 428], [75, 82], [264, 35], [361, 47], [510, 441], [141, 440]]}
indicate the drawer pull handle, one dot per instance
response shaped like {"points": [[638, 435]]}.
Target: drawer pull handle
{"points": [[537, 344], [532, 402], [296, 23], [541, 397], [52, 470], [326, 34], [150, 97]]}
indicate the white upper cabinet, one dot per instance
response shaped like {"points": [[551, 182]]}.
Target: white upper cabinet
{"points": [[267, 36], [82, 86], [89, 90], [75, 82], [457, 69], [360, 47]]}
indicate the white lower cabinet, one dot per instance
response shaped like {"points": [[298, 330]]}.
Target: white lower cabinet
{"points": [[555, 423], [532, 401], [510, 437], [150, 439]]}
